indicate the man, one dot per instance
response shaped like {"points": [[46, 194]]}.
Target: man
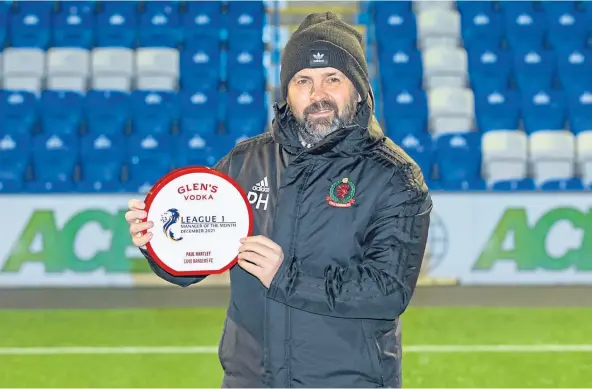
{"points": [[337, 248]]}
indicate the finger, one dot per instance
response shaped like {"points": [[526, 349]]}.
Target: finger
{"points": [[264, 241], [134, 216], [249, 267], [142, 240], [254, 258], [139, 227], [258, 248], [136, 204]]}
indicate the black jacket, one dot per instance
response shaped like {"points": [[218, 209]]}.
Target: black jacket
{"points": [[352, 248]]}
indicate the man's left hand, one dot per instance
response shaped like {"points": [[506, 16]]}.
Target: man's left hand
{"points": [[261, 257]]}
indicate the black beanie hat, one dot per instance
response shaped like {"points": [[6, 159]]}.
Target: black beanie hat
{"points": [[324, 40]]}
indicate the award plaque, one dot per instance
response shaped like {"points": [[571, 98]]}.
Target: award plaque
{"points": [[199, 217]]}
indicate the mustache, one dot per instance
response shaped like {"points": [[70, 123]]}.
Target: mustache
{"points": [[320, 106]]}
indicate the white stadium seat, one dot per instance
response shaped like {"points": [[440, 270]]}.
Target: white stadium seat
{"points": [[68, 69], [552, 155], [451, 110], [23, 68], [438, 27], [504, 155], [112, 68], [584, 156], [157, 68], [445, 66]]}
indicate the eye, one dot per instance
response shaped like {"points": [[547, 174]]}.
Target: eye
{"points": [[334, 79], [302, 81]]}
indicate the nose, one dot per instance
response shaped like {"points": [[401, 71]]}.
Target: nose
{"points": [[317, 93]]}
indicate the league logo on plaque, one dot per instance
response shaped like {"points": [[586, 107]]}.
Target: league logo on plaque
{"points": [[199, 216]]}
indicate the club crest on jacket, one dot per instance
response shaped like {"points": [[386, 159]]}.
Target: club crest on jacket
{"points": [[341, 193]]}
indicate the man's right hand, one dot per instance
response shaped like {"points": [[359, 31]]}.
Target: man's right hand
{"points": [[134, 217]]}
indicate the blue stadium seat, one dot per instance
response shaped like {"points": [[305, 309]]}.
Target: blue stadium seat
{"points": [[405, 112], [247, 80], [160, 27], [562, 185], [477, 184], [567, 30], [574, 68], [401, 69], [61, 111], [458, 157], [489, 68], [202, 18], [246, 113], [120, 6], [469, 7], [497, 109], [525, 184], [580, 111], [198, 111], [513, 7], [525, 29], [73, 27], [106, 112], [244, 55], [200, 150], [481, 27], [14, 159], [18, 112], [200, 62], [544, 110], [100, 174], [395, 26], [78, 6], [161, 6], [245, 15], [117, 25], [557, 7], [153, 112], [420, 148], [149, 157], [54, 159], [30, 25], [534, 69]]}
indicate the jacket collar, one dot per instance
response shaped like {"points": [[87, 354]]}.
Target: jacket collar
{"points": [[358, 137]]}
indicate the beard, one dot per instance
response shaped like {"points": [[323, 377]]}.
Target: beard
{"points": [[314, 129]]}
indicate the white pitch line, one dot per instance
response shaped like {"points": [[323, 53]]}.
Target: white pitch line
{"points": [[503, 348]]}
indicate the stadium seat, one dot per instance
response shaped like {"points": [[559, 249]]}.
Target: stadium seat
{"points": [[30, 26], [160, 27], [19, 112], [525, 28], [567, 30], [552, 155], [200, 150], [476, 184], [521, 185], [199, 111], [574, 68], [54, 158], [401, 69], [562, 185], [438, 27], [534, 69], [580, 111], [504, 155], [584, 156], [555, 7], [451, 110], [61, 112], [97, 173], [68, 69], [472, 7], [14, 159], [106, 112], [247, 80], [246, 113], [73, 26], [497, 109], [200, 62], [445, 66], [117, 25], [458, 157], [420, 148], [23, 68], [395, 25], [481, 27], [202, 18], [149, 157], [157, 68], [112, 68], [245, 15], [421, 6], [545, 110], [406, 112], [153, 112], [489, 68]]}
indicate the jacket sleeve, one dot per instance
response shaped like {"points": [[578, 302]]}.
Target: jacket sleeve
{"points": [[381, 286], [222, 166]]}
